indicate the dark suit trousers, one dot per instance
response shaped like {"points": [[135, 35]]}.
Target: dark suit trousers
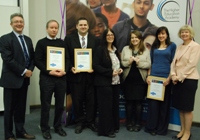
{"points": [[15, 108], [48, 86], [158, 114], [83, 94], [108, 102]]}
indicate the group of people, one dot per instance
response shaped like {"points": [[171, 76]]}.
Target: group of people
{"points": [[120, 61]]}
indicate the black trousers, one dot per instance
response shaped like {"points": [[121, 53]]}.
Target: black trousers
{"points": [[108, 103], [83, 98], [48, 86], [14, 110], [158, 114]]}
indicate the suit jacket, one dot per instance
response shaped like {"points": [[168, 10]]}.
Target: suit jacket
{"points": [[72, 42], [14, 61], [103, 67], [143, 65], [185, 62]]}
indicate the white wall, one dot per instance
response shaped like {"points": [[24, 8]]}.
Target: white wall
{"points": [[48, 9]]}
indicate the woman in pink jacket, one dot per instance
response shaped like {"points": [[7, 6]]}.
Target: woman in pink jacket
{"points": [[185, 79]]}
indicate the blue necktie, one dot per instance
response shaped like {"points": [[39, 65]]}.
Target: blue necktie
{"points": [[24, 50]]}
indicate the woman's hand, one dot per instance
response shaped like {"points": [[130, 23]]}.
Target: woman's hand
{"points": [[120, 71], [174, 79], [166, 82], [132, 58], [148, 80]]}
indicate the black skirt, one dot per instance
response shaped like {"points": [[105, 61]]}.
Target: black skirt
{"points": [[183, 96]]}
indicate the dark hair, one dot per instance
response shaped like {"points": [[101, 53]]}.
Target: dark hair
{"points": [[141, 45], [81, 18], [150, 31], [151, 1], [105, 43], [52, 20], [156, 43], [105, 20], [74, 10]]}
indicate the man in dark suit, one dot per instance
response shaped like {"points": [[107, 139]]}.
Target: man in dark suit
{"points": [[81, 83], [17, 54]]}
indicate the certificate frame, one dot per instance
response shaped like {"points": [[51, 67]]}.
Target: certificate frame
{"points": [[81, 58], [55, 58], [156, 89]]}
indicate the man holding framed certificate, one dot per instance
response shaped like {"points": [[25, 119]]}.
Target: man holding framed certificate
{"points": [[81, 46], [51, 58]]}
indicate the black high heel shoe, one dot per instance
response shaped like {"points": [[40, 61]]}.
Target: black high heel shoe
{"points": [[176, 138]]}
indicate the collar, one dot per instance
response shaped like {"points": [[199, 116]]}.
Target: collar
{"points": [[51, 38]]}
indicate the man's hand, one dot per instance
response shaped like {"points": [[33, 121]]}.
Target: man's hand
{"points": [[57, 73], [28, 73], [74, 70]]}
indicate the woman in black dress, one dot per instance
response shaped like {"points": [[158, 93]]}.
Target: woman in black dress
{"points": [[136, 61], [185, 79], [107, 69]]}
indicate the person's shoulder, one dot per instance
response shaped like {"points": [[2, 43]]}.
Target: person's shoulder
{"points": [[7, 35], [121, 23], [124, 14], [193, 43], [97, 10]]}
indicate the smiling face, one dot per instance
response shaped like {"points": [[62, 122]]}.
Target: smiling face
{"points": [[110, 37], [94, 3], [52, 29], [162, 36], [17, 24], [142, 7], [185, 35], [135, 40], [82, 27]]}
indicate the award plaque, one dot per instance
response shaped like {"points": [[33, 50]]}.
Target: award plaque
{"points": [[55, 58], [156, 89], [83, 60]]}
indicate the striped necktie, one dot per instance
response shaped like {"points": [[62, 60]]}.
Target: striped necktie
{"points": [[25, 51], [83, 43]]}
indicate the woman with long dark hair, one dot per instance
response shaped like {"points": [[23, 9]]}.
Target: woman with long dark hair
{"points": [[106, 65], [136, 61], [162, 54]]}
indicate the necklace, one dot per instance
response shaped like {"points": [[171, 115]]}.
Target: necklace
{"points": [[134, 53]]}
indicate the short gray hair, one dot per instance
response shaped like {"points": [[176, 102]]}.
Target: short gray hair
{"points": [[16, 15]]}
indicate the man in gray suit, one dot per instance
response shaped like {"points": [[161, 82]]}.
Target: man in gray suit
{"points": [[17, 54]]}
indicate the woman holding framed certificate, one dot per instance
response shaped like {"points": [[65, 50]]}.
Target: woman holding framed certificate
{"points": [[185, 79], [107, 69], [136, 61], [162, 54]]}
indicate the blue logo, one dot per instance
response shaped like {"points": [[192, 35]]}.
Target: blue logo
{"points": [[80, 66], [168, 11], [53, 64], [153, 93]]}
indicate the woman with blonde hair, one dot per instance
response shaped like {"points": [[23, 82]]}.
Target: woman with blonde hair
{"points": [[185, 79]]}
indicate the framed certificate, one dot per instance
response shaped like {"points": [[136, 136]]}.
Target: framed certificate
{"points": [[156, 90], [55, 58], [83, 60]]}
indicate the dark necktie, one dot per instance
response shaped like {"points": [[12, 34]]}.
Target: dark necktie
{"points": [[83, 43], [24, 50]]}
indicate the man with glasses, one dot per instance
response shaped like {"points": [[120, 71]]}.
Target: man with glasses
{"points": [[17, 54]]}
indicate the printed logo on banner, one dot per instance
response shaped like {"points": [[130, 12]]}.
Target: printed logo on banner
{"points": [[168, 11]]}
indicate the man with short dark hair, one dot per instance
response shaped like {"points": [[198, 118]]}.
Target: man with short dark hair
{"points": [[139, 22], [81, 83], [17, 54]]}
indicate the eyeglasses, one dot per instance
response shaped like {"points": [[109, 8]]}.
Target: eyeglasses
{"points": [[18, 21], [110, 35]]}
